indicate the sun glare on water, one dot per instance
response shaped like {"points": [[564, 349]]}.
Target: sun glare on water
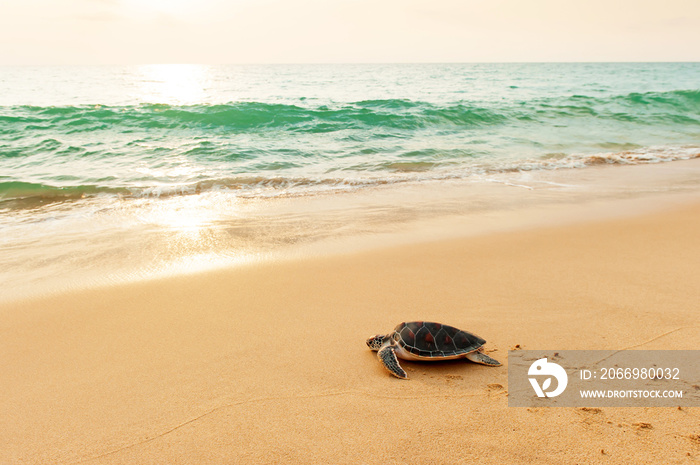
{"points": [[172, 84]]}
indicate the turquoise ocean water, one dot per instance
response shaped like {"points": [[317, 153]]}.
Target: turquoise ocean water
{"points": [[86, 151], [271, 130]]}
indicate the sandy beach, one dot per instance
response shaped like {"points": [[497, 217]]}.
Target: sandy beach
{"points": [[267, 363]]}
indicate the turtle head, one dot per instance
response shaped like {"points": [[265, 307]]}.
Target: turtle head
{"points": [[375, 342]]}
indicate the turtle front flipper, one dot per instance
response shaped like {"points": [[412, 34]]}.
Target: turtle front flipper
{"points": [[479, 357], [387, 355]]}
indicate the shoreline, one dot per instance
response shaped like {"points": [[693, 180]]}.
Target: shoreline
{"points": [[154, 239], [267, 362]]}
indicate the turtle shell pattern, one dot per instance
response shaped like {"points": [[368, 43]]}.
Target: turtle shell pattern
{"points": [[435, 340]]}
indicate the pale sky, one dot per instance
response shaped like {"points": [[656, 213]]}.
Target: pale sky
{"points": [[40, 32]]}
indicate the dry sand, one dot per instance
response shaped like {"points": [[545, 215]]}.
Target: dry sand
{"points": [[267, 363]]}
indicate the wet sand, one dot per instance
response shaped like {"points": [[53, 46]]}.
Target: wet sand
{"points": [[267, 363]]}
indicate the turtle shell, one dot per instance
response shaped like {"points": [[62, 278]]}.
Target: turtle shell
{"points": [[435, 340]]}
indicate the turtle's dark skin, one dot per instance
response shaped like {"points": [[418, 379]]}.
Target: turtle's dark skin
{"points": [[427, 341]]}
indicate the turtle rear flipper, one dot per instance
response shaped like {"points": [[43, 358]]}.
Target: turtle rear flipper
{"points": [[387, 355], [479, 357]]}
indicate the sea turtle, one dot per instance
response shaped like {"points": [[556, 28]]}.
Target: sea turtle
{"points": [[426, 341]]}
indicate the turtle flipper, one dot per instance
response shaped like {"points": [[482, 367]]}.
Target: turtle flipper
{"points": [[387, 355], [480, 357]]}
